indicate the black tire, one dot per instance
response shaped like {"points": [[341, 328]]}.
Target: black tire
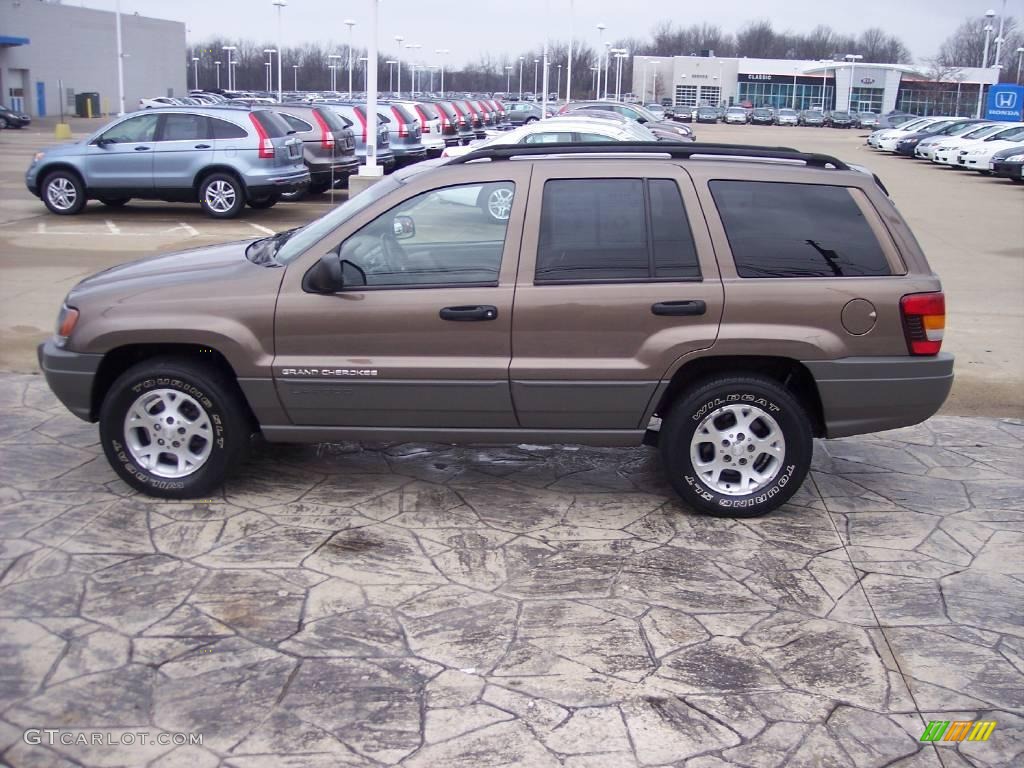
{"points": [[115, 202], [529, 120], [229, 424], [320, 188], [696, 406], [3, 123], [496, 201], [221, 183], [261, 203], [69, 185]]}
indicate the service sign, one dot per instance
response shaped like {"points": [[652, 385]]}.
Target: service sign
{"points": [[1005, 102]]}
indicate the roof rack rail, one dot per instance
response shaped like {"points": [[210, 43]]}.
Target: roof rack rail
{"points": [[675, 150]]}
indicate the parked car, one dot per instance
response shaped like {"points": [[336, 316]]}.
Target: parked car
{"points": [[978, 156], [472, 117], [1008, 163], [356, 114], [328, 145], [429, 120], [404, 133], [895, 119], [812, 117], [948, 151], [865, 119], [657, 110], [762, 116], [787, 117], [9, 118], [453, 125], [886, 138], [707, 115], [521, 113], [159, 101], [736, 115], [839, 119], [908, 143], [668, 129], [220, 157], [646, 337]]}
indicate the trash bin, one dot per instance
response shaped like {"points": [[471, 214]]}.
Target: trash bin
{"points": [[87, 105]]}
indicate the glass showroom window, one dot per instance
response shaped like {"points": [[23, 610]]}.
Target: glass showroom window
{"points": [[866, 100], [924, 101]]}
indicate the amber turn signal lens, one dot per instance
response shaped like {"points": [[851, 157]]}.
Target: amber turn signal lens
{"points": [[67, 321]]}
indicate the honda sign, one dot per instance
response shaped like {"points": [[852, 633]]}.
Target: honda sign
{"points": [[1005, 102]]}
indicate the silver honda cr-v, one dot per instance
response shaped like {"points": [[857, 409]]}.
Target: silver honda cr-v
{"points": [[220, 157]]}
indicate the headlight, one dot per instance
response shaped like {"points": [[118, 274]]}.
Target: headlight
{"points": [[1014, 159], [37, 157], [66, 322]]}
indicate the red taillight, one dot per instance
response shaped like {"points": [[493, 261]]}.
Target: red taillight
{"points": [[563, 110], [266, 146], [362, 121], [423, 119], [326, 137], [924, 321], [402, 127]]}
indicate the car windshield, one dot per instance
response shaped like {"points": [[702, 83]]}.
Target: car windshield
{"points": [[841, 115], [763, 112], [737, 111], [787, 112], [298, 241]]}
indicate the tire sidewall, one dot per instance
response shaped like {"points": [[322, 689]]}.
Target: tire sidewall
{"points": [[228, 430], [483, 202], [687, 415], [79, 193], [240, 196]]}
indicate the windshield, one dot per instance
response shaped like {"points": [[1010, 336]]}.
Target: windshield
{"points": [[787, 112], [737, 111], [958, 129], [984, 131], [300, 240]]}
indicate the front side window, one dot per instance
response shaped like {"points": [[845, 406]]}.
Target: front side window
{"points": [[451, 236], [181, 127], [140, 128], [779, 229], [599, 230]]}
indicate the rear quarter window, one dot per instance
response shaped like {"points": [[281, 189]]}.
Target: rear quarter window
{"points": [[222, 129], [272, 123], [782, 229]]}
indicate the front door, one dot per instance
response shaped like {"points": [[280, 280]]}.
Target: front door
{"points": [[120, 160], [617, 281], [426, 341], [184, 148]]}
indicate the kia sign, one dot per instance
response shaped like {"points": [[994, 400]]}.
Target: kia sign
{"points": [[1005, 102]]}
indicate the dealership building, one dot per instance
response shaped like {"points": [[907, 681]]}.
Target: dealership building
{"points": [[45, 46], [840, 85]]}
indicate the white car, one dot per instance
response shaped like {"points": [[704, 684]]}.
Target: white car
{"points": [[159, 101], [571, 128], [925, 149], [948, 151], [736, 115], [977, 157], [891, 136], [883, 133], [430, 124]]}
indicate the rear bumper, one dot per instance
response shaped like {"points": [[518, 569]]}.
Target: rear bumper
{"points": [[274, 185], [871, 394], [70, 375], [323, 173]]}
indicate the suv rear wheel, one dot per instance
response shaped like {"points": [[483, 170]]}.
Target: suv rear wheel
{"points": [[736, 446], [221, 195], [172, 428], [63, 193]]}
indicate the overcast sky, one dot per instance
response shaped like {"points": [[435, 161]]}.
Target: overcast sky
{"points": [[471, 27]]}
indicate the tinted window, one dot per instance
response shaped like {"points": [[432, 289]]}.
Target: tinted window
{"points": [[334, 121], [597, 229], [222, 129], [178, 127], [453, 242], [272, 123], [429, 111], [141, 128], [408, 117], [675, 255], [294, 123], [796, 230]]}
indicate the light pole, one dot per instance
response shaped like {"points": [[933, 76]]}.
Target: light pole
{"points": [[521, 60], [279, 4], [620, 54], [217, 65], [391, 74], [230, 49], [508, 79], [600, 42], [795, 70], [593, 79], [442, 52], [195, 71], [853, 58], [654, 81], [120, 60], [643, 88], [413, 47], [607, 66], [989, 15], [1020, 60], [535, 63], [266, 75], [363, 60], [999, 37], [371, 168], [295, 77], [568, 74], [558, 88], [350, 24], [270, 63], [824, 82], [331, 65], [399, 39]]}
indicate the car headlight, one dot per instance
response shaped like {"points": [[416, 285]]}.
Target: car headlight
{"points": [[37, 157], [66, 322], [1014, 159]]}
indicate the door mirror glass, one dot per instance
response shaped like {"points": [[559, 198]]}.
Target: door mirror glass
{"points": [[332, 274], [405, 227]]}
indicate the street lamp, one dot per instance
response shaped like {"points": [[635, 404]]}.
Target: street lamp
{"points": [[350, 24], [269, 63], [230, 49], [558, 88], [217, 65], [600, 41], [120, 60], [363, 59], [607, 66], [620, 54], [295, 77], [334, 69], [536, 62], [508, 79], [442, 52], [521, 60], [414, 47], [999, 37], [391, 74], [279, 4], [195, 71], [795, 71], [399, 39], [989, 15], [853, 58], [824, 82], [1020, 60], [266, 75], [568, 74]]}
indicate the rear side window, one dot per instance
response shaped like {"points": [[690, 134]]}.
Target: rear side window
{"points": [[600, 230], [222, 129], [779, 229], [295, 123], [407, 116], [429, 111], [273, 124], [182, 127], [334, 121]]}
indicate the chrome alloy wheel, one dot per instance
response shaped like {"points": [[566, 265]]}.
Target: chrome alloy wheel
{"points": [[61, 193], [220, 196], [737, 449], [499, 203], [168, 433]]}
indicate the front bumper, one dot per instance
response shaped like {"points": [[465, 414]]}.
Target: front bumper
{"points": [[70, 375], [871, 394], [1010, 170]]}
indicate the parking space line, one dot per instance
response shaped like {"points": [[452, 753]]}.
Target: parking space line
{"points": [[192, 231], [259, 228], [112, 227]]}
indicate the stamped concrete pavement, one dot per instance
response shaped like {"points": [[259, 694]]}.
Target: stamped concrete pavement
{"points": [[423, 605]]}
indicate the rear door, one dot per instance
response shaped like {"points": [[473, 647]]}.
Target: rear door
{"points": [[184, 146], [617, 281]]}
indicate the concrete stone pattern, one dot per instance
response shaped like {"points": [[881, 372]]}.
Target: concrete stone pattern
{"points": [[423, 605]]}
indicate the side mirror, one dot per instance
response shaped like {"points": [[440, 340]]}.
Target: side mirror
{"points": [[641, 120], [404, 227], [332, 274]]}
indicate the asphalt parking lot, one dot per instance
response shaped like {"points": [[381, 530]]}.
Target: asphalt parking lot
{"points": [[427, 606]]}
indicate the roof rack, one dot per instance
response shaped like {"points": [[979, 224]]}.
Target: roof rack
{"points": [[673, 149]]}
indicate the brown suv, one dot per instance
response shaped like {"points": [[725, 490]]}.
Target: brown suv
{"points": [[724, 303]]}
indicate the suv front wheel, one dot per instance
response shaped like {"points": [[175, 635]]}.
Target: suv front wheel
{"points": [[173, 428], [221, 195], [63, 193], [736, 446]]}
